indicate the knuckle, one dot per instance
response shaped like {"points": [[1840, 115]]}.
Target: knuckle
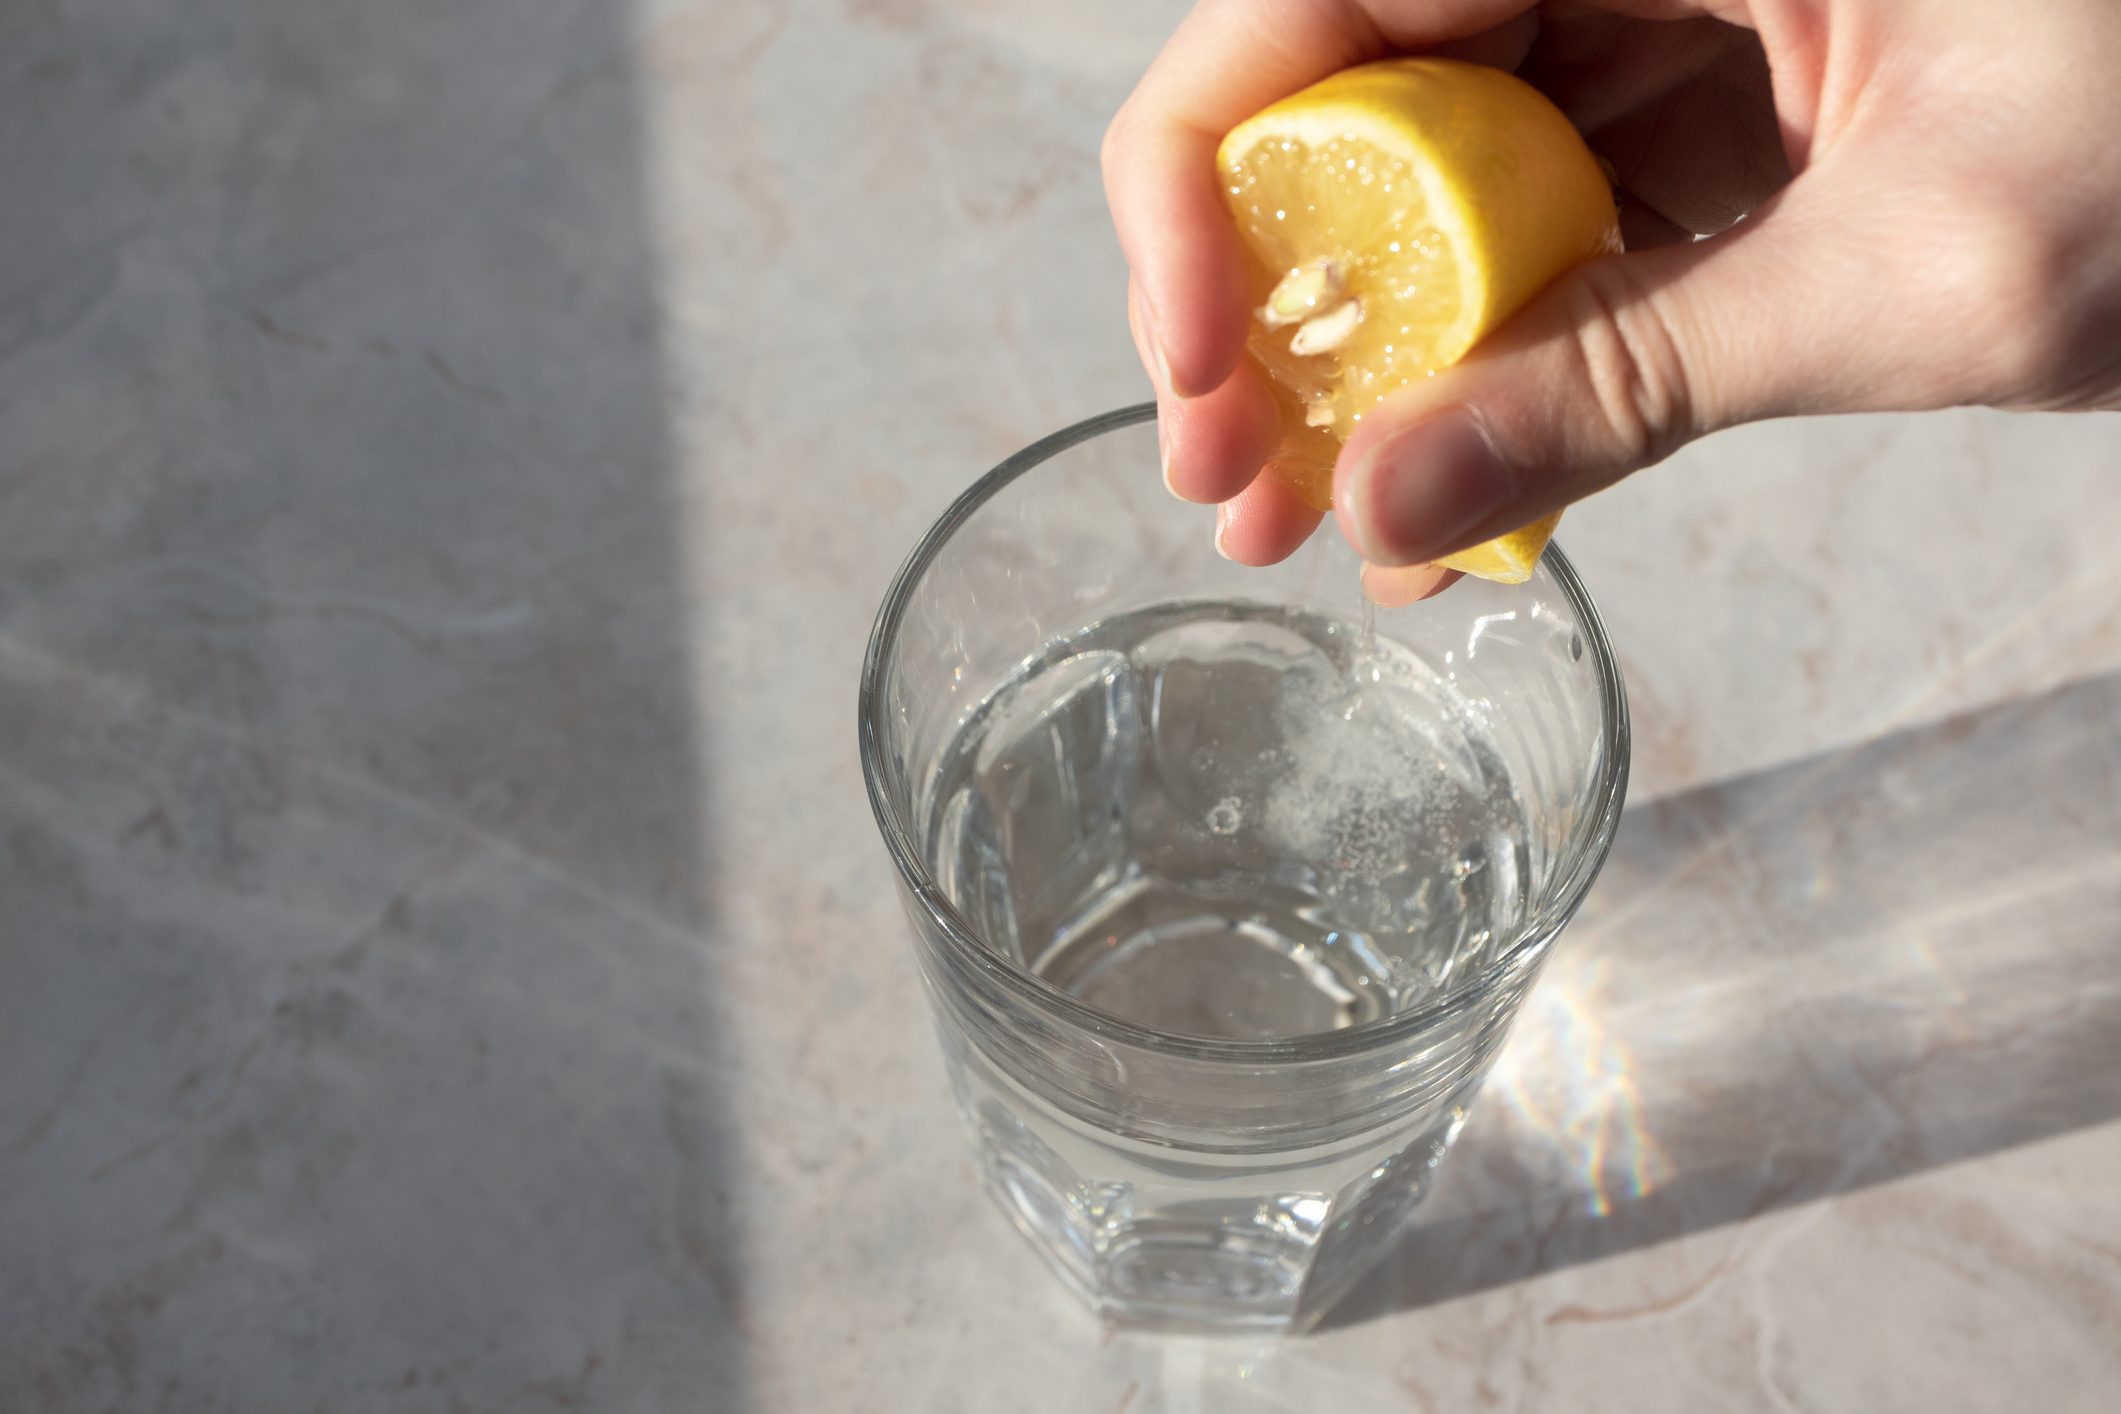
{"points": [[1632, 361], [2002, 307]]}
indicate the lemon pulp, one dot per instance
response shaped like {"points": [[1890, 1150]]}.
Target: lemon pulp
{"points": [[1394, 214]]}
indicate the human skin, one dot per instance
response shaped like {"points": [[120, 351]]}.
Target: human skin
{"points": [[1900, 205]]}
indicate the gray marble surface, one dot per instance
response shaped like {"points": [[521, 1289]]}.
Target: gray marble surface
{"points": [[449, 455]]}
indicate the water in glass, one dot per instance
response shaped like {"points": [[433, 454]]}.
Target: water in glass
{"points": [[1233, 820]]}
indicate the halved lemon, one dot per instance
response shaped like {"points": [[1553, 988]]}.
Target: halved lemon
{"points": [[1394, 214]]}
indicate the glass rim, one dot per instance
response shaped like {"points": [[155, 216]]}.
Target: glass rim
{"points": [[1035, 992]]}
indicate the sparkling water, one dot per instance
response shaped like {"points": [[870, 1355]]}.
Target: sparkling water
{"points": [[1230, 820]]}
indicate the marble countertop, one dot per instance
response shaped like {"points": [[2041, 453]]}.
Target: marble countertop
{"points": [[449, 457]]}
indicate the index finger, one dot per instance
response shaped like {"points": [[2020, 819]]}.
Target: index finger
{"points": [[1226, 61]]}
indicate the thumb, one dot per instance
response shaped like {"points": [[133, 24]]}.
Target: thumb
{"points": [[1614, 367]]}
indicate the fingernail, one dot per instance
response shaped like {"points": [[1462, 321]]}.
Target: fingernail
{"points": [[1222, 528], [1153, 336], [1163, 450], [1413, 494], [1393, 587], [1372, 589], [1163, 365]]}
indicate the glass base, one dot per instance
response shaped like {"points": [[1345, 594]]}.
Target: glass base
{"points": [[1204, 1244]]}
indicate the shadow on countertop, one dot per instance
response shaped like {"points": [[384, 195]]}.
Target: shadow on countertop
{"points": [[1830, 975], [359, 1030]]}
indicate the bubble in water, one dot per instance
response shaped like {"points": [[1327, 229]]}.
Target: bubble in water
{"points": [[1227, 816]]}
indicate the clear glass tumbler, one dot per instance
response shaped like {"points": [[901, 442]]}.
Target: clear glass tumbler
{"points": [[1224, 892]]}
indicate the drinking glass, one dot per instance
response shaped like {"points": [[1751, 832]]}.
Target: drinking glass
{"points": [[1225, 888]]}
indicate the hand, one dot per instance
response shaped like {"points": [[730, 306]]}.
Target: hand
{"points": [[1946, 239]]}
